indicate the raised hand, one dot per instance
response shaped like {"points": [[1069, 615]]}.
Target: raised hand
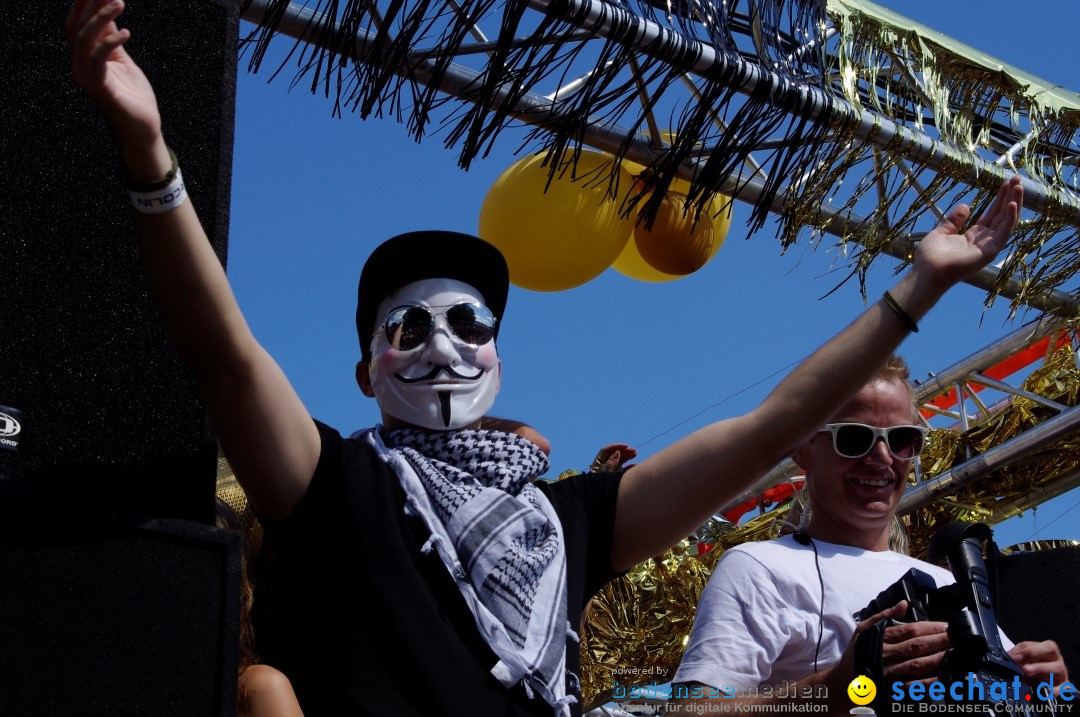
{"points": [[108, 74], [264, 428], [949, 256], [612, 457]]}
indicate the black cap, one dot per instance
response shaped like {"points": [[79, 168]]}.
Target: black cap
{"points": [[429, 255]]}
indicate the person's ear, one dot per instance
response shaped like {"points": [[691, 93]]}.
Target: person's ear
{"points": [[363, 379]]}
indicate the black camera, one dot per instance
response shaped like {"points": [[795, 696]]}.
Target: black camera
{"points": [[976, 669]]}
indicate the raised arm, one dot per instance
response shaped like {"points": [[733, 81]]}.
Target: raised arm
{"points": [[264, 428], [676, 490]]}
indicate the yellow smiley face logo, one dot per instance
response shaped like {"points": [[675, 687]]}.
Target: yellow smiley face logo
{"points": [[862, 690]]}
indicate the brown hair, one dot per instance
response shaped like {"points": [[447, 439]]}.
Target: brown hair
{"points": [[226, 518], [894, 368]]}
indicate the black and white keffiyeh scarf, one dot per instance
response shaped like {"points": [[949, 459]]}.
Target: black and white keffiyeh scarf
{"points": [[501, 540]]}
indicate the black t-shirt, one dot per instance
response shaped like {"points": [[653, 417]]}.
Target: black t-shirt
{"points": [[362, 622]]}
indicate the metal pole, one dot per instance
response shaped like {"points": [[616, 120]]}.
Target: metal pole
{"points": [[780, 474], [986, 357], [1038, 494], [997, 457]]}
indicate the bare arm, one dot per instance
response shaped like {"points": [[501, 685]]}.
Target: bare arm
{"points": [[264, 428], [267, 693], [676, 490]]}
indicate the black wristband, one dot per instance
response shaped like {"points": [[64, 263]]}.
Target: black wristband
{"points": [[899, 311], [159, 184]]}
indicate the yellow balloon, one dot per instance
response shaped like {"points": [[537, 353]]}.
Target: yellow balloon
{"points": [[562, 238], [632, 265], [630, 262], [677, 242]]}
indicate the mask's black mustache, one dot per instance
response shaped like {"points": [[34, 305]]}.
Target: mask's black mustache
{"points": [[434, 373]]}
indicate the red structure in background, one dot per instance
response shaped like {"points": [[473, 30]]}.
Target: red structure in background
{"points": [[773, 496], [1002, 369]]}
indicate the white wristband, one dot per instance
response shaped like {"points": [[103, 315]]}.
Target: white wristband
{"points": [[159, 201]]}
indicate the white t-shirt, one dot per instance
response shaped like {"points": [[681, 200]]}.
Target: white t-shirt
{"points": [[757, 621]]}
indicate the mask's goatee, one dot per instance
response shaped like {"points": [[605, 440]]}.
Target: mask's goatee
{"points": [[444, 404]]}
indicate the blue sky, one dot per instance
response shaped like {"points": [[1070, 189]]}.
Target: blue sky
{"points": [[615, 359]]}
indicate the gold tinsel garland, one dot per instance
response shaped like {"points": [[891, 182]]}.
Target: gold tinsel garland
{"points": [[638, 625], [959, 91], [876, 57], [1057, 380], [229, 490]]}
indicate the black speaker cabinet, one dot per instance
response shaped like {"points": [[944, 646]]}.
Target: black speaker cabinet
{"points": [[117, 598], [1039, 599], [108, 618], [101, 401]]}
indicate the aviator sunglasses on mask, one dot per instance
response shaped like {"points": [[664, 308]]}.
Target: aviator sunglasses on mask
{"points": [[855, 440], [408, 327]]}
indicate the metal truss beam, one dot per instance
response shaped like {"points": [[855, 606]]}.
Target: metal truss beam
{"points": [[649, 38], [993, 459]]}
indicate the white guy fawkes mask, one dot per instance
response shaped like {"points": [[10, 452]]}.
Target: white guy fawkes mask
{"points": [[444, 382]]}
